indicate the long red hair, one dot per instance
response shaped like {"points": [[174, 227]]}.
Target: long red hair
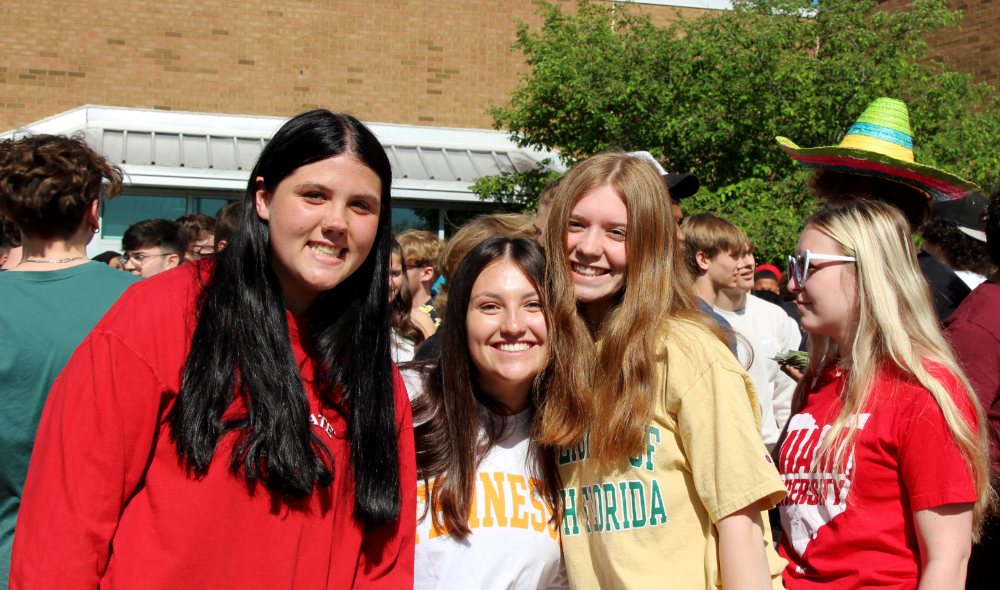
{"points": [[610, 391]]}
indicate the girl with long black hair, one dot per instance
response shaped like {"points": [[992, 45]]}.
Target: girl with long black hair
{"points": [[489, 492], [237, 422]]}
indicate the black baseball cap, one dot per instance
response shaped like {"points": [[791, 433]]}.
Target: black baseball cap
{"points": [[967, 212], [681, 186]]}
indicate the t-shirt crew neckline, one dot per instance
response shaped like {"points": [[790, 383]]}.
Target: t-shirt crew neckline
{"points": [[44, 276]]}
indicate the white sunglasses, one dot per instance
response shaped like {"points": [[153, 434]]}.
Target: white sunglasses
{"points": [[798, 266]]}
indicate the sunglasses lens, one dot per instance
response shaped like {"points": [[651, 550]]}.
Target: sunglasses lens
{"points": [[796, 266]]}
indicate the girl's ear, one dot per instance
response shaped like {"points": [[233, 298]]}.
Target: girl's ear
{"points": [[262, 199]]}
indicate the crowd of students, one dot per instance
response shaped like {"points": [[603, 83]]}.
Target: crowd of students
{"points": [[594, 396]]}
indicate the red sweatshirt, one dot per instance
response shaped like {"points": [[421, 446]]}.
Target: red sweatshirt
{"points": [[107, 503]]}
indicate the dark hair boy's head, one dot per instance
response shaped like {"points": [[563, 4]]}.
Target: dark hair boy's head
{"points": [[11, 235], [992, 230], [963, 252], [225, 222], [197, 226], [167, 235], [766, 274], [106, 257], [840, 187], [48, 182]]}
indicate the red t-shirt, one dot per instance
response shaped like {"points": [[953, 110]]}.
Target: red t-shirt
{"points": [[108, 504], [862, 534]]}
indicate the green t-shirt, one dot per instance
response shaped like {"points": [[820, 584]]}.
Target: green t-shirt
{"points": [[43, 318]]}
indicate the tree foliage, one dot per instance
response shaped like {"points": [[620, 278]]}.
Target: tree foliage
{"points": [[518, 189], [709, 95]]}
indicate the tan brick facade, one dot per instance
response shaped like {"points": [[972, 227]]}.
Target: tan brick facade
{"points": [[418, 62], [974, 45]]}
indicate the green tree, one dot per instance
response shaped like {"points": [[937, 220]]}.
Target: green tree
{"points": [[709, 95], [520, 190]]}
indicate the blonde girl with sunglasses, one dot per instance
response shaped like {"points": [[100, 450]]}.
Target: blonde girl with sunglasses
{"points": [[664, 471], [885, 456]]}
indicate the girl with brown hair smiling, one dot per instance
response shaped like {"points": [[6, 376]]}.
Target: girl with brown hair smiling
{"points": [[489, 491], [673, 476]]}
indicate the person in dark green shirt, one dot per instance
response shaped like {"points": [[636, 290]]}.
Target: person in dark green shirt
{"points": [[52, 298]]}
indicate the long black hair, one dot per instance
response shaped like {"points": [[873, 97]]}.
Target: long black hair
{"points": [[241, 349], [453, 409]]}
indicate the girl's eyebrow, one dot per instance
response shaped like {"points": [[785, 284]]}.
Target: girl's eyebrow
{"points": [[311, 185], [492, 295], [324, 189]]}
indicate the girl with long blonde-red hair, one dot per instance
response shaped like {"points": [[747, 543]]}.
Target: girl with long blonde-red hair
{"points": [[663, 468]]}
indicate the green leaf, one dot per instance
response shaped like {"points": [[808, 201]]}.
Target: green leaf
{"points": [[709, 95]]}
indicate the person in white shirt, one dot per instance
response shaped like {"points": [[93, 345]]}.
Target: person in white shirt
{"points": [[488, 493], [770, 332], [404, 331], [721, 258]]}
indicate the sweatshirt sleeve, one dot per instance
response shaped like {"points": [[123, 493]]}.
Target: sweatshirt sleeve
{"points": [[93, 445], [978, 351], [387, 552]]}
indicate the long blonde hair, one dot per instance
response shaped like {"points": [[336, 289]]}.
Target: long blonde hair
{"points": [[611, 392], [897, 331]]}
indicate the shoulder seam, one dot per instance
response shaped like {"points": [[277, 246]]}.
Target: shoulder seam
{"points": [[135, 351], [705, 372]]}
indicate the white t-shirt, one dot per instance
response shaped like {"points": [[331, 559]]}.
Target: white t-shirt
{"points": [[770, 331], [400, 349], [512, 545], [971, 279]]}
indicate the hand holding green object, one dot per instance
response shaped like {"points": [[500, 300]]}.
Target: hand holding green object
{"points": [[796, 358]]}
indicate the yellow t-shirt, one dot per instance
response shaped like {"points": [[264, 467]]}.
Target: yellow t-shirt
{"points": [[649, 521]]}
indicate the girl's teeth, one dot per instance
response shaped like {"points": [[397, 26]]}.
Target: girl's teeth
{"points": [[328, 251], [586, 270], [518, 347]]}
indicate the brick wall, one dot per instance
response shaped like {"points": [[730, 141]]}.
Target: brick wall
{"points": [[417, 62], [974, 45]]}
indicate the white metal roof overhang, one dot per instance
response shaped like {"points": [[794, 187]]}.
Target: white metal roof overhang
{"points": [[172, 149]]}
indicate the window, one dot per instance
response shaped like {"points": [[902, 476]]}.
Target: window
{"points": [[210, 207], [128, 209], [122, 212], [424, 219]]}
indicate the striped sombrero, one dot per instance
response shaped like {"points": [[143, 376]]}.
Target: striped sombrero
{"points": [[880, 144]]}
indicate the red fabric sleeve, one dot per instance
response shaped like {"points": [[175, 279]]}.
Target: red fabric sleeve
{"points": [[386, 559], [932, 466], [94, 442]]}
